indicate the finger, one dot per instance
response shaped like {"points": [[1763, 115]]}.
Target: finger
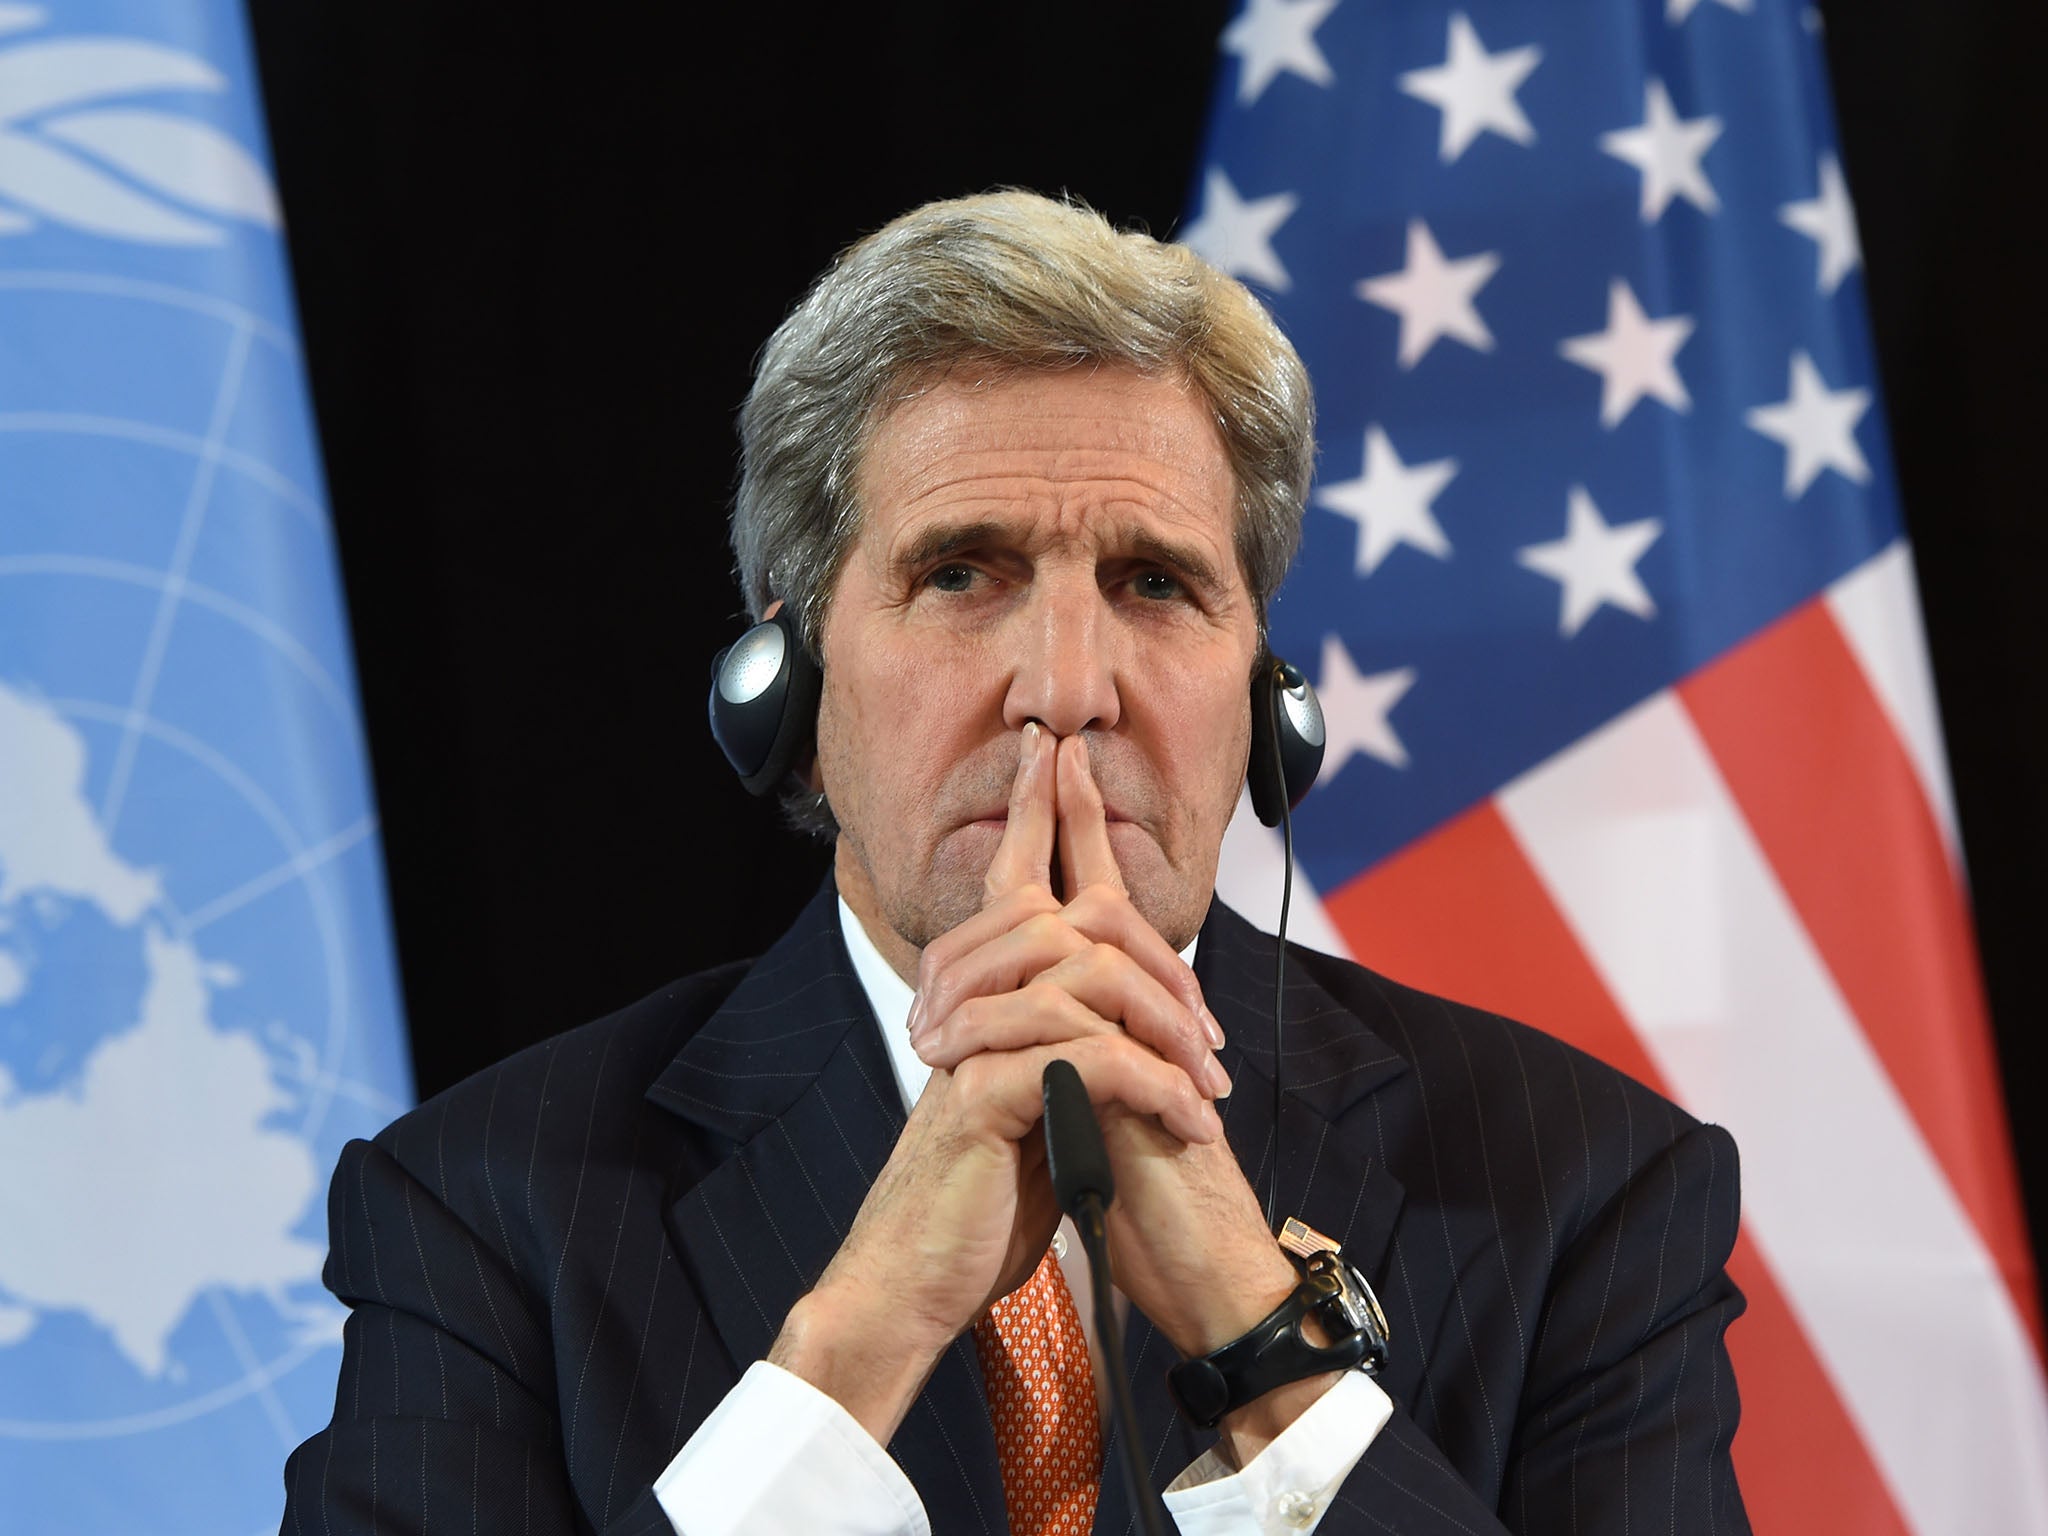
{"points": [[951, 971], [1107, 917], [1118, 1070], [1086, 857], [1096, 991], [1106, 980], [1024, 856], [991, 922], [1040, 1014], [1003, 1090]]}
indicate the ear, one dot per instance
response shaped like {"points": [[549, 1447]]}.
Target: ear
{"points": [[813, 779]]}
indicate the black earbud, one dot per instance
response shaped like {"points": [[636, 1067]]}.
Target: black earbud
{"points": [[764, 714], [764, 703], [1287, 739]]}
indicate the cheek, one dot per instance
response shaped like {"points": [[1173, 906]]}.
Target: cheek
{"points": [[882, 739], [1208, 729]]}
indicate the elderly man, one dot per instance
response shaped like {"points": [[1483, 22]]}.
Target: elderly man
{"points": [[776, 1250]]}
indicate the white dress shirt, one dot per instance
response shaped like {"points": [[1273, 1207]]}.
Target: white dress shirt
{"points": [[780, 1458]]}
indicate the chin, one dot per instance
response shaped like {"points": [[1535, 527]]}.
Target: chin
{"points": [[951, 890], [1159, 891]]}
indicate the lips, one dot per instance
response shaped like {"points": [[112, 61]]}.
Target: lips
{"points": [[1002, 818]]}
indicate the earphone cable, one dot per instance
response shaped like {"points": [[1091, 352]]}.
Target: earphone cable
{"points": [[1280, 950]]}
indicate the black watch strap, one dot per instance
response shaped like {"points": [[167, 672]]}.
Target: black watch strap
{"points": [[1276, 1351]]}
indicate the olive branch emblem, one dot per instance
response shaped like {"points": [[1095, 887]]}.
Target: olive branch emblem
{"points": [[73, 152]]}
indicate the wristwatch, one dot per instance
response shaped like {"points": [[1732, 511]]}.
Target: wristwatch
{"points": [[1276, 1351]]}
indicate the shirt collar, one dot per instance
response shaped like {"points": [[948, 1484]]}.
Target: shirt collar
{"points": [[890, 997]]}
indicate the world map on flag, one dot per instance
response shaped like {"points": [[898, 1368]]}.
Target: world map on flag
{"points": [[197, 1004]]}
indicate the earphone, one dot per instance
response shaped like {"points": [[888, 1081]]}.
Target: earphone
{"points": [[764, 715], [764, 712], [764, 702]]}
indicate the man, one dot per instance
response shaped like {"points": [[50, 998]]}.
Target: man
{"points": [[774, 1250]]}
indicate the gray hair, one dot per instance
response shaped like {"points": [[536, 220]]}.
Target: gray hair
{"points": [[1011, 280]]}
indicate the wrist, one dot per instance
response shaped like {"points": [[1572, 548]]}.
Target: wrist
{"points": [[855, 1351], [1237, 1307], [1256, 1385], [1249, 1428], [1245, 1431]]}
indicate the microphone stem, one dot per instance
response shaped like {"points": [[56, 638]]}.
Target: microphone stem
{"points": [[1088, 1221]]}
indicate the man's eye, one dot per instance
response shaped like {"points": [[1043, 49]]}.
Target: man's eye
{"points": [[1157, 586], [952, 578]]}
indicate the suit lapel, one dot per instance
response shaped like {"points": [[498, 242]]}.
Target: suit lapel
{"points": [[792, 1070], [1329, 1176], [792, 1073], [1335, 1061]]}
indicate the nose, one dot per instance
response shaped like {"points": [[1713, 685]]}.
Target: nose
{"points": [[1065, 673]]}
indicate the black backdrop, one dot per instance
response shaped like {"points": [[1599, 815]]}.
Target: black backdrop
{"points": [[537, 247]]}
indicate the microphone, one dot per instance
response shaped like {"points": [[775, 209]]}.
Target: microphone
{"points": [[1074, 1153], [1084, 1187]]}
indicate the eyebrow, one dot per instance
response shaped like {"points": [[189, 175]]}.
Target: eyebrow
{"points": [[937, 543], [944, 539], [1184, 558]]}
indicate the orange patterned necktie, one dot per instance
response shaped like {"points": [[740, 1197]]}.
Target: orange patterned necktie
{"points": [[1041, 1396]]}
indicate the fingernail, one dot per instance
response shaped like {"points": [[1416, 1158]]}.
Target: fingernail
{"points": [[916, 1018], [1219, 1080], [1031, 733], [1211, 1028]]}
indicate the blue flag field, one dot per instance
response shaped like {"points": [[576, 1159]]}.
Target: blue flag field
{"points": [[197, 996]]}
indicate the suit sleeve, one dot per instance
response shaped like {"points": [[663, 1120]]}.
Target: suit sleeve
{"points": [[1628, 1406], [444, 1415]]}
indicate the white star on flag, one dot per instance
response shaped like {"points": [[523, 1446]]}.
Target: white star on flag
{"points": [[1433, 296], [1635, 356], [1236, 236], [1475, 90], [1355, 709], [1390, 502], [1676, 11], [1667, 150], [1594, 563], [1828, 220], [1817, 427], [1276, 35]]}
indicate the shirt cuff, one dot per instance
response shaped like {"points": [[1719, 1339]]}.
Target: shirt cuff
{"points": [[1287, 1487], [777, 1457]]}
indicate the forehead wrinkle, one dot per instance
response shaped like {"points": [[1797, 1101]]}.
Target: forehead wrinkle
{"points": [[1021, 474], [932, 472], [1169, 491]]}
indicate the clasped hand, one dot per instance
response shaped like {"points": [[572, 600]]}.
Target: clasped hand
{"points": [[963, 1211]]}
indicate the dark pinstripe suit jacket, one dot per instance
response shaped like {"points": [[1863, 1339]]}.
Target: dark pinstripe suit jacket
{"points": [[557, 1268]]}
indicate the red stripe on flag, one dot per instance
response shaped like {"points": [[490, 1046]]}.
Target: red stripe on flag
{"points": [[1827, 787], [1461, 913]]}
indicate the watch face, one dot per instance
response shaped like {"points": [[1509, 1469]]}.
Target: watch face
{"points": [[1356, 1305], [1351, 1310]]}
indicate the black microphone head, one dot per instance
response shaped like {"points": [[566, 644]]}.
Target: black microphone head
{"points": [[1074, 1153]]}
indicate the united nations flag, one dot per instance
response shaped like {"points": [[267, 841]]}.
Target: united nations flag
{"points": [[197, 997]]}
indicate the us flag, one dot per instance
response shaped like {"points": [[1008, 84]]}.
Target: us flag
{"points": [[1605, 591]]}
